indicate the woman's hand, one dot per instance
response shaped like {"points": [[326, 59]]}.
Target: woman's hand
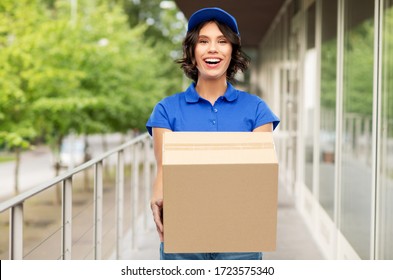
{"points": [[157, 209], [157, 203]]}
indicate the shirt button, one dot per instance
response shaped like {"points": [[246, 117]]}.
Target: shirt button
{"points": [[215, 110], [214, 122]]}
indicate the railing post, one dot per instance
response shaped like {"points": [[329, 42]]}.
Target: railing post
{"points": [[147, 186], [16, 232], [119, 202], [134, 193], [98, 212], [67, 219]]}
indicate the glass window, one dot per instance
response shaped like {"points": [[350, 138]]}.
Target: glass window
{"points": [[328, 106], [385, 229], [356, 176], [309, 96]]}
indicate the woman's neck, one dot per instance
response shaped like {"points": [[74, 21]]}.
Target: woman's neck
{"points": [[211, 89]]}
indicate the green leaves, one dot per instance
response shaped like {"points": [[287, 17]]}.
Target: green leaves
{"points": [[20, 138], [84, 72]]}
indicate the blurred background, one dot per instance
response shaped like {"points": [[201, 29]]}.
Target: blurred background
{"points": [[71, 69], [77, 79]]}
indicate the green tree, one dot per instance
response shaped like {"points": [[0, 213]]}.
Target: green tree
{"points": [[166, 28], [17, 18], [78, 69]]}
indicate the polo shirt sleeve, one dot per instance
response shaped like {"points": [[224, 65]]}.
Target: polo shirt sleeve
{"points": [[158, 118], [265, 115]]}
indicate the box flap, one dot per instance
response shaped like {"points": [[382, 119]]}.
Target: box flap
{"points": [[218, 148]]}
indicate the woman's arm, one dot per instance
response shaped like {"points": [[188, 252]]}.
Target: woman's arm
{"points": [[264, 128], [156, 202]]}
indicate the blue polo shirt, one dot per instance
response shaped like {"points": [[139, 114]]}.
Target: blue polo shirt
{"points": [[234, 111]]}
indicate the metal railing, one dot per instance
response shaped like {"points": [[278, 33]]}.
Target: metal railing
{"points": [[141, 150]]}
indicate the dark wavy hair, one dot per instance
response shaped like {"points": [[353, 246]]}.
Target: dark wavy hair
{"points": [[239, 60]]}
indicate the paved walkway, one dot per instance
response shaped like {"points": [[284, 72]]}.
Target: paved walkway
{"points": [[294, 241]]}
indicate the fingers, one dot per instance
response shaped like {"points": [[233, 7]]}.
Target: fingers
{"points": [[157, 218], [157, 209], [160, 234]]}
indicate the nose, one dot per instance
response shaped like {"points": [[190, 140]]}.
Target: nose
{"points": [[212, 48]]}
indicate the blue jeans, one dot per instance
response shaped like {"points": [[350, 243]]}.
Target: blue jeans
{"points": [[208, 256]]}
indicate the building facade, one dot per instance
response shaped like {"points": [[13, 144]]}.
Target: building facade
{"points": [[326, 68]]}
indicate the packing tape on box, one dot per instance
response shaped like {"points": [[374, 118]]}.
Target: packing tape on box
{"points": [[219, 146]]}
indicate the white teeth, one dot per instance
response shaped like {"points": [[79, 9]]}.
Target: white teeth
{"points": [[212, 60]]}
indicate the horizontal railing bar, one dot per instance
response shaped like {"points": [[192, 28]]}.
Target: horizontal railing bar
{"points": [[41, 187]]}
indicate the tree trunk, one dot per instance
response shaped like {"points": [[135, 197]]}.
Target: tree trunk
{"points": [[17, 169], [57, 169], [87, 157], [105, 149]]}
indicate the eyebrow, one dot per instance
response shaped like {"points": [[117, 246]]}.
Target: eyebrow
{"points": [[205, 36]]}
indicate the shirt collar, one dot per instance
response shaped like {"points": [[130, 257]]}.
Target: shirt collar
{"points": [[192, 95]]}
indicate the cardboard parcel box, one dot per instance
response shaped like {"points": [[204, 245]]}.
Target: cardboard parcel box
{"points": [[220, 192]]}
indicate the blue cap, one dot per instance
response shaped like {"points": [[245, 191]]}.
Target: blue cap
{"points": [[208, 14]]}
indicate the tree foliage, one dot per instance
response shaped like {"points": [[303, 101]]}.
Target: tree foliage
{"points": [[79, 66]]}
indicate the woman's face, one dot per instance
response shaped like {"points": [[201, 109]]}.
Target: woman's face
{"points": [[213, 53]]}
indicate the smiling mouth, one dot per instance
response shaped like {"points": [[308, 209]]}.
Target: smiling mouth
{"points": [[213, 61]]}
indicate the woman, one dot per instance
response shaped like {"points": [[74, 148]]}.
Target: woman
{"points": [[212, 56]]}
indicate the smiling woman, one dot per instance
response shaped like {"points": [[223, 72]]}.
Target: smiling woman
{"points": [[228, 35], [212, 56]]}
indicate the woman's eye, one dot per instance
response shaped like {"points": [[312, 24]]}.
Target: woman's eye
{"points": [[203, 41], [222, 41]]}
